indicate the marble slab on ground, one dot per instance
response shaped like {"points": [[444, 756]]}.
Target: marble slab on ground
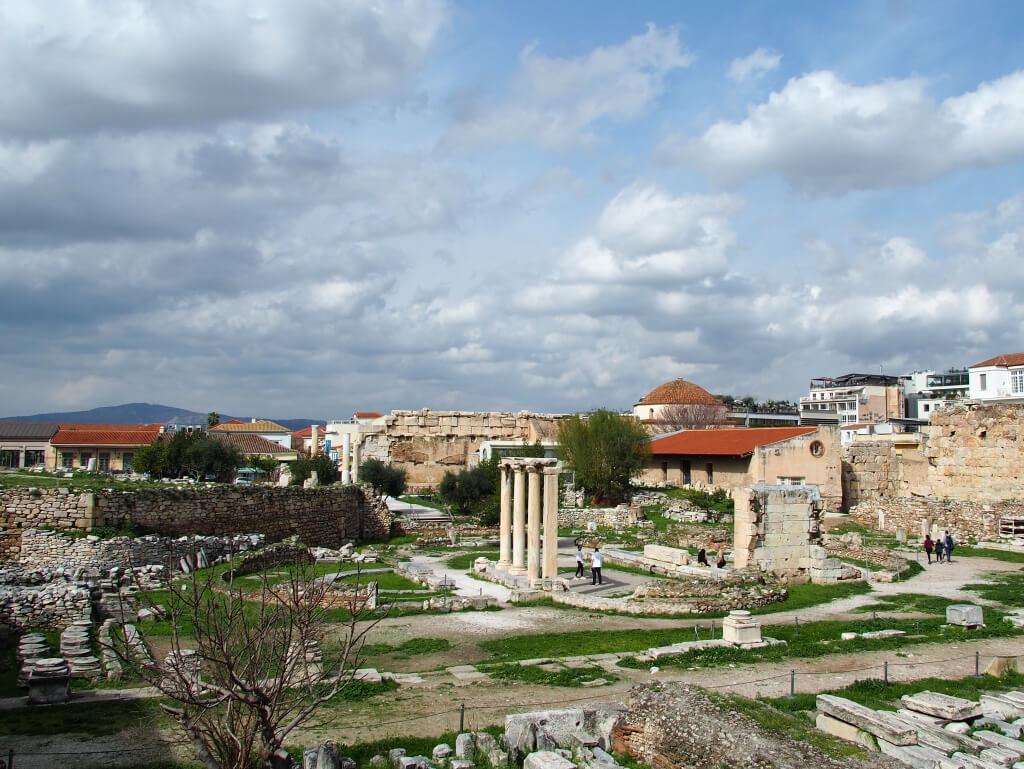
{"points": [[466, 673], [602, 657], [880, 724], [551, 667], [997, 740], [974, 762], [942, 705], [917, 756], [370, 675], [576, 663], [406, 679], [535, 661]]}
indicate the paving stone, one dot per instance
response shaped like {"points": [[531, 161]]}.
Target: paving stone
{"points": [[996, 740], [996, 706], [845, 731], [999, 756], [917, 756], [547, 759]]}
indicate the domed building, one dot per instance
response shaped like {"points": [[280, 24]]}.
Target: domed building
{"points": [[678, 405]]}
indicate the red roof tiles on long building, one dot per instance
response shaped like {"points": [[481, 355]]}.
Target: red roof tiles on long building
{"points": [[1013, 359], [732, 442], [106, 435]]}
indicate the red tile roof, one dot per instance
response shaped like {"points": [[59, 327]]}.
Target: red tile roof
{"points": [[731, 441], [1013, 359], [250, 443], [679, 391], [367, 415], [105, 435], [259, 426]]}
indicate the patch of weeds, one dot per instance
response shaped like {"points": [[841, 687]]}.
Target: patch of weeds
{"points": [[464, 561], [878, 695], [362, 752], [92, 719], [408, 648], [810, 594], [534, 674], [1003, 587], [907, 603]]}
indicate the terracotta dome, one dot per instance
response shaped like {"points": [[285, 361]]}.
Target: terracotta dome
{"points": [[680, 392]]}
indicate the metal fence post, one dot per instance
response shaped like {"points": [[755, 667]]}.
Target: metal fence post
{"points": [[462, 718], [886, 671]]}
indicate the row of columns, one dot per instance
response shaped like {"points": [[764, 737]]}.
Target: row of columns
{"points": [[527, 506]]}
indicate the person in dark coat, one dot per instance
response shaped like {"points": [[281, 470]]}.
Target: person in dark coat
{"points": [[721, 559], [948, 540], [702, 557], [928, 545], [939, 548]]}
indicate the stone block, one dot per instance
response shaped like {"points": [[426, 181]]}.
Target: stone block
{"points": [[441, 752], [965, 615], [996, 740], [917, 756], [880, 724], [845, 731], [942, 706], [547, 759], [995, 706], [464, 746], [666, 554], [740, 629]]}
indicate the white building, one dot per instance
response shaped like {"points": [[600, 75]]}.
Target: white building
{"points": [[853, 399], [928, 391], [998, 379], [264, 428]]}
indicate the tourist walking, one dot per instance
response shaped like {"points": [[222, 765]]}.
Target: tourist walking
{"points": [[579, 560], [928, 545], [595, 567], [949, 547], [939, 548]]}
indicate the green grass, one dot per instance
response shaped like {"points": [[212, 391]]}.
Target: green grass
{"points": [[878, 695], [986, 552], [1003, 587], [83, 481], [819, 639], [809, 594], [534, 674], [425, 502], [92, 719], [387, 581], [465, 560], [538, 645], [781, 722], [408, 648], [907, 603], [362, 752]]}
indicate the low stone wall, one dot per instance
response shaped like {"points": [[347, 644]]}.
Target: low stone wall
{"points": [[962, 518], [53, 549], [676, 725], [616, 517], [681, 598], [324, 517], [54, 605]]}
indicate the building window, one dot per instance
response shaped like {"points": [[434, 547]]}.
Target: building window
{"points": [[817, 448], [711, 473], [83, 459], [103, 462], [926, 407], [983, 381], [126, 461], [34, 457], [664, 471], [686, 472], [67, 459], [1017, 380]]}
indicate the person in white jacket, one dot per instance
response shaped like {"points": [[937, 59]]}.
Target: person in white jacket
{"points": [[595, 567]]}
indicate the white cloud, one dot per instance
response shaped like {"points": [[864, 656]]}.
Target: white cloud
{"points": [[755, 65], [554, 102], [76, 66], [824, 135]]}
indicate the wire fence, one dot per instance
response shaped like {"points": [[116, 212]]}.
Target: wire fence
{"points": [[462, 717]]}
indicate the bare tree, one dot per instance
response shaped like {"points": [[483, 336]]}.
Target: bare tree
{"points": [[689, 416], [245, 667]]}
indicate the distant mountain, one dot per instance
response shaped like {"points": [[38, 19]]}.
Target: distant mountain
{"points": [[144, 413]]}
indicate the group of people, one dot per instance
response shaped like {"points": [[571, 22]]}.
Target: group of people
{"points": [[702, 558], [943, 547]]}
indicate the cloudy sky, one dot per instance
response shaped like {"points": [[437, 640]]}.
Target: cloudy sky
{"points": [[309, 207]]}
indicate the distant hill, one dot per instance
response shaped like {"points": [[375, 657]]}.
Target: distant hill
{"points": [[144, 413]]}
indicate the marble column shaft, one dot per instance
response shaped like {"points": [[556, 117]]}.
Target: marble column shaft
{"points": [[505, 532], [550, 522], [519, 521], [533, 524]]}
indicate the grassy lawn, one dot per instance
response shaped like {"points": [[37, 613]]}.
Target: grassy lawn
{"points": [[809, 594], [878, 695], [818, 639], [386, 581], [907, 603], [986, 552], [91, 719], [464, 561], [414, 499], [1003, 587], [86, 481], [533, 674]]}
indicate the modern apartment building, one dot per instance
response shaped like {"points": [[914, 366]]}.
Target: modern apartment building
{"points": [[928, 391], [853, 399]]}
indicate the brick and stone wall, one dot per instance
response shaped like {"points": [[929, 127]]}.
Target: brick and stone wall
{"points": [[962, 518], [325, 517], [680, 598], [621, 517], [54, 605], [969, 452], [677, 725]]}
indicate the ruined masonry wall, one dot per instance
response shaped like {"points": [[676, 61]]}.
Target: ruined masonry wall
{"points": [[427, 444], [962, 518], [326, 517], [54, 605], [578, 518], [969, 453]]}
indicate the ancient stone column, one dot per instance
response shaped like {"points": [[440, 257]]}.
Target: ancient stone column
{"points": [[346, 447], [355, 461], [505, 532], [519, 521], [533, 524], [550, 522]]}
